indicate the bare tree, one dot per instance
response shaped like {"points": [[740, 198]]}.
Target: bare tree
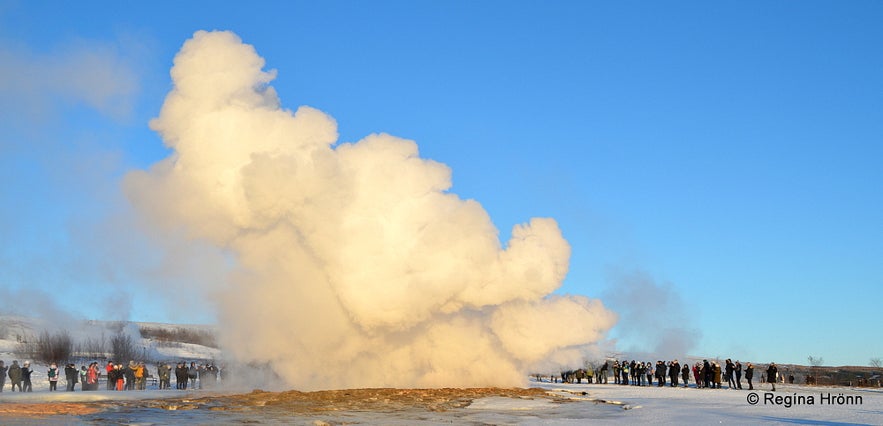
{"points": [[122, 348], [876, 362], [815, 364], [48, 347], [93, 347]]}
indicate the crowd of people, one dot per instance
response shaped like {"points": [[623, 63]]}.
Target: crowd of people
{"points": [[118, 377], [704, 374]]}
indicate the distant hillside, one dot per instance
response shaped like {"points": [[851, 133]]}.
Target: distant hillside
{"points": [[26, 338]]}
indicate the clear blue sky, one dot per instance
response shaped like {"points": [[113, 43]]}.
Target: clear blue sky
{"points": [[728, 153]]}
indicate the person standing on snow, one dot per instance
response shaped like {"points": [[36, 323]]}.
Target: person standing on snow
{"points": [[92, 376], [111, 384], [649, 371], [707, 373], [738, 371], [15, 375], [730, 369], [749, 374], [717, 375], [193, 374], [685, 373], [129, 373], [26, 377], [83, 374], [674, 368], [772, 373], [70, 375], [52, 374], [3, 370]]}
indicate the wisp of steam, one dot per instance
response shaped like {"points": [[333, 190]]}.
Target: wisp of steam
{"points": [[355, 264]]}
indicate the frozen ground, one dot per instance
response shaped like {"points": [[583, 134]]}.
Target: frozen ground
{"points": [[665, 405], [569, 404]]}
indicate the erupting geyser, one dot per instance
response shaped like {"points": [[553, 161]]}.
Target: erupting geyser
{"points": [[355, 267]]}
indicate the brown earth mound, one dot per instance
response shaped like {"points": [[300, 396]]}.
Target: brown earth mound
{"points": [[376, 400], [47, 409], [295, 402]]}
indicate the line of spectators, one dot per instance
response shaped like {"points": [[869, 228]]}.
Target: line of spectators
{"points": [[118, 377], [705, 374]]}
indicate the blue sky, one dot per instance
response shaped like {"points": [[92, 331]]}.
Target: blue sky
{"points": [[727, 155]]}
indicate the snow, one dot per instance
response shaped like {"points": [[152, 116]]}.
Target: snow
{"points": [[666, 405], [572, 404]]}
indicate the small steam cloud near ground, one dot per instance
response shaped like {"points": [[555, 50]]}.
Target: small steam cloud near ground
{"points": [[356, 267]]}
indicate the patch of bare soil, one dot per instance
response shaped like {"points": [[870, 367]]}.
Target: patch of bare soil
{"points": [[376, 400], [47, 409], [292, 402]]}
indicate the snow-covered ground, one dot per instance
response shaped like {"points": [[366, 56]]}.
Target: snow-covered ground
{"points": [[601, 404], [666, 405]]}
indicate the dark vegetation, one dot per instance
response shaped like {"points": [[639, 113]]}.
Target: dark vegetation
{"points": [[59, 347], [48, 347], [180, 335]]}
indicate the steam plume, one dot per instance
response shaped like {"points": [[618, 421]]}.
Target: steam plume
{"points": [[653, 316], [356, 266]]}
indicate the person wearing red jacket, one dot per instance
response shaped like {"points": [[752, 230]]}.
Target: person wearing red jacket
{"points": [[109, 369]]}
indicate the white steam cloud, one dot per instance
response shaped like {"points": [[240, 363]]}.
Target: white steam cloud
{"points": [[356, 267]]}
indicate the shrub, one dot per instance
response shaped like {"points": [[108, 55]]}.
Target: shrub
{"points": [[122, 348], [47, 348], [182, 335]]}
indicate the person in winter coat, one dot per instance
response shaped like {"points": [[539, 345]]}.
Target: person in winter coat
{"points": [[121, 376], [15, 375], [26, 377], [83, 374], [92, 376], [730, 370], [112, 376], [70, 375], [707, 373], [139, 376], [129, 373], [674, 368], [685, 373], [648, 367], [624, 372], [193, 374], [717, 375], [165, 376], [738, 371], [52, 374], [111, 384], [660, 373], [696, 372], [3, 370], [181, 376], [749, 374], [772, 373]]}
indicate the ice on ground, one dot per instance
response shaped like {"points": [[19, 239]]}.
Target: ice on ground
{"points": [[498, 403]]}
